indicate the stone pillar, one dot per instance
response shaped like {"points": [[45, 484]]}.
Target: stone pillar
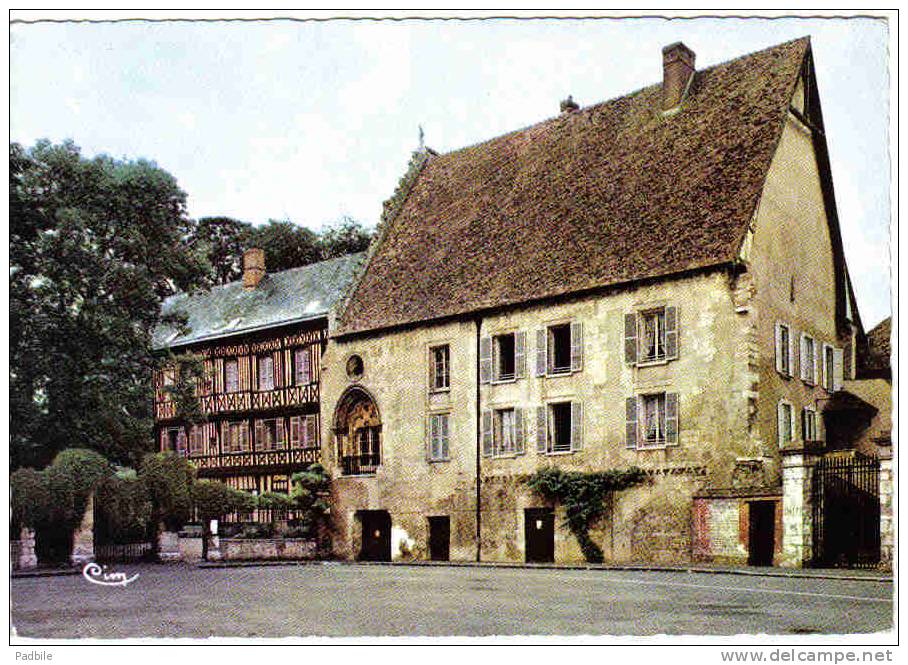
{"points": [[797, 508], [214, 543], [886, 531], [27, 557], [168, 545], [84, 538]]}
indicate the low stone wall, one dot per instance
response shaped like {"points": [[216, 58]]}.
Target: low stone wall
{"points": [[239, 549], [190, 547]]}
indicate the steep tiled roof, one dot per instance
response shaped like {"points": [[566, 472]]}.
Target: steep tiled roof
{"points": [[612, 193], [283, 297], [879, 347]]}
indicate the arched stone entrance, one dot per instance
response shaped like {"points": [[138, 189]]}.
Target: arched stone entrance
{"points": [[357, 433]]}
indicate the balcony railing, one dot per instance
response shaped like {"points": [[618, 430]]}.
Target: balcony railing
{"points": [[245, 400], [257, 458], [360, 465]]}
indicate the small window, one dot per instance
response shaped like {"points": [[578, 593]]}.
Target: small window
{"points": [[304, 431], [266, 372], [828, 368], [809, 425], [652, 335], [302, 367], [441, 373], [196, 441], [237, 438], [505, 432], [559, 341], [785, 425], [505, 362], [232, 376], [783, 349], [355, 367], [176, 440], [269, 434], [808, 360], [652, 421], [439, 428], [560, 427]]}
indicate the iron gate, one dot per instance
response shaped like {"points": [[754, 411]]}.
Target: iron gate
{"points": [[846, 512]]}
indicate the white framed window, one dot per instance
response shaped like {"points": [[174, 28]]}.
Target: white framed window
{"points": [[651, 420], [503, 432], [231, 375], [270, 434], [440, 367], [651, 335], [784, 350], [438, 442], [809, 425], [809, 358], [559, 427], [833, 364], [265, 366], [302, 366], [502, 358], [785, 423], [559, 349]]}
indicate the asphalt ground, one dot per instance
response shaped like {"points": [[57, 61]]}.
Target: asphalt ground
{"points": [[337, 600]]}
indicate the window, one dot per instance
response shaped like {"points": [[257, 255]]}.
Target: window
{"points": [[783, 349], [438, 444], [355, 367], [232, 376], [302, 367], [505, 365], [559, 343], [196, 441], [808, 360], [503, 432], [270, 434], [651, 336], [809, 425], [368, 447], [786, 423], [280, 484], [559, 349], [652, 420], [175, 440], [559, 427], [168, 376], [265, 372], [440, 369], [236, 437], [304, 431], [828, 368]]}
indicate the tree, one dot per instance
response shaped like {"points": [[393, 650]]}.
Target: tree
{"points": [[346, 236], [95, 246], [168, 480], [223, 240], [286, 245]]}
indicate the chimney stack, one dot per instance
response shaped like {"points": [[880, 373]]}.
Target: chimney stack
{"points": [[253, 267], [569, 105], [677, 72]]}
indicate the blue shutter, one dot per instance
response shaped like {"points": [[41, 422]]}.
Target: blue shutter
{"points": [[541, 352], [671, 332], [576, 346], [541, 432], [630, 339], [576, 426], [520, 354], [671, 418], [519, 432], [485, 359], [487, 433]]}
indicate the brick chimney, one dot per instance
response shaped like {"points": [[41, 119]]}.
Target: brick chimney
{"points": [[253, 267], [677, 72]]}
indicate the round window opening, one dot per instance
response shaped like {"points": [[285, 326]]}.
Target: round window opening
{"points": [[354, 367]]}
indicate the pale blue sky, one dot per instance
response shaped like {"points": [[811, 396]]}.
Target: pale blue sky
{"points": [[312, 121]]}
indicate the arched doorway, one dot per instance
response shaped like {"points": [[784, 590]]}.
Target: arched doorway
{"points": [[357, 433]]}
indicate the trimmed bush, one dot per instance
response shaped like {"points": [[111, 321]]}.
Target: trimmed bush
{"points": [[169, 480], [72, 477], [29, 498], [214, 500], [124, 510]]}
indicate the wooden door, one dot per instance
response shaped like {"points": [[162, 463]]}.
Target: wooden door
{"points": [[761, 532], [440, 538], [539, 535], [376, 535]]}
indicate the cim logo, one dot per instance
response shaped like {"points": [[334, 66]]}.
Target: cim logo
{"points": [[98, 575]]}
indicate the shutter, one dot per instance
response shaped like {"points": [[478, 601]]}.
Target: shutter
{"points": [[444, 452], [630, 428], [430, 437], [780, 424], [838, 365], [520, 354], [803, 355], [541, 429], [181, 441], [576, 426], [541, 352], [671, 332], [312, 431], [779, 364], [792, 356], [281, 434], [671, 418], [294, 431], [259, 434], [630, 339], [519, 432], [576, 346], [804, 425], [244, 436], [487, 433], [485, 359], [816, 362]]}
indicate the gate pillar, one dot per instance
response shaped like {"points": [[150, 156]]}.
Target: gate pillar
{"points": [[886, 533], [797, 509]]}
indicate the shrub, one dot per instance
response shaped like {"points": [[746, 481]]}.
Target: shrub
{"points": [[169, 481], [29, 497], [124, 509], [213, 500], [71, 478]]}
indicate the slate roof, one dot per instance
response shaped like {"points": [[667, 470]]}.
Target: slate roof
{"points": [[289, 296], [610, 194]]}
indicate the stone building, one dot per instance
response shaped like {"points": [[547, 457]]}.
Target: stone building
{"points": [[654, 281], [261, 341]]}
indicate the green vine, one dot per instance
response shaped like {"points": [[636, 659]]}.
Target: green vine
{"points": [[583, 496]]}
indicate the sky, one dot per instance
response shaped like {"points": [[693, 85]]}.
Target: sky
{"points": [[312, 121]]}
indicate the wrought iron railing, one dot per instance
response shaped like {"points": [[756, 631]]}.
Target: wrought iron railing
{"points": [[360, 465]]}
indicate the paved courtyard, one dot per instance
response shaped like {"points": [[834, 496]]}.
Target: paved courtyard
{"points": [[354, 600]]}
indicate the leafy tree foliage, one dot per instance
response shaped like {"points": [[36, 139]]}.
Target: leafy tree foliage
{"points": [[222, 240], [346, 236], [95, 246], [213, 500], [169, 481], [124, 510], [286, 245], [583, 496]]}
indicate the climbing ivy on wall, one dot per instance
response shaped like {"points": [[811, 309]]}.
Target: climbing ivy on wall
{"points": [[583, 497]]}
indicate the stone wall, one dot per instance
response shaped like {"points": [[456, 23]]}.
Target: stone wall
{"points": [[264, 549]]}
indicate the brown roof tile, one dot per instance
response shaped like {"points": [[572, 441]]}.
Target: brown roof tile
{"points": [[612, 193]]}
